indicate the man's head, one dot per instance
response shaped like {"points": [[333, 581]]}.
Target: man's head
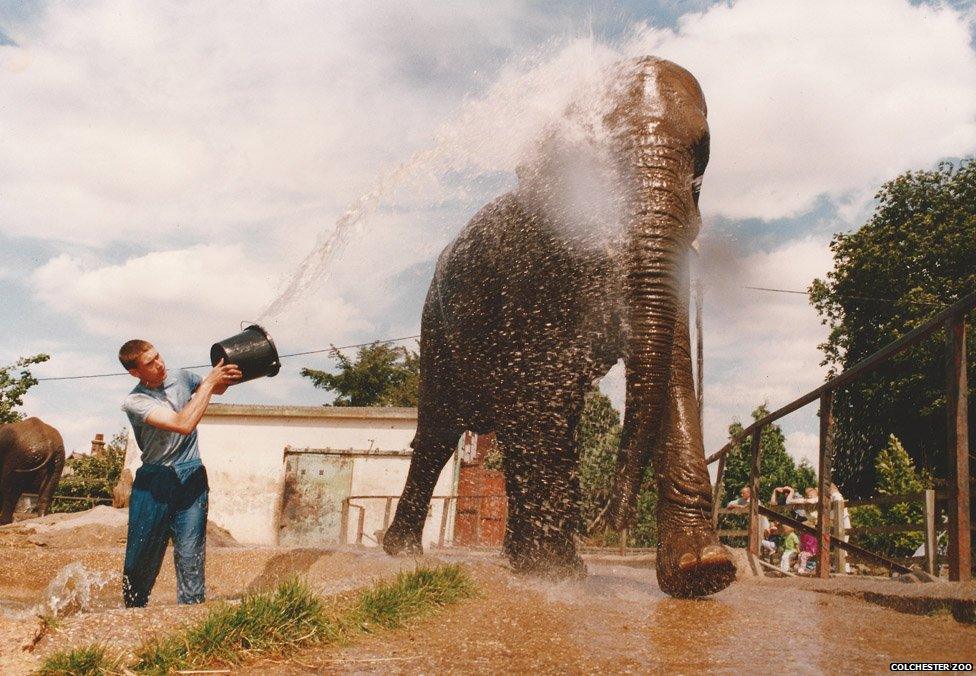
{"points": [[745, 493], [141, 359]]}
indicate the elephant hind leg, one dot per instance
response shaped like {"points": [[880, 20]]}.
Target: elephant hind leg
{"points": [[10, 491], [50, 482], [432, 448]]}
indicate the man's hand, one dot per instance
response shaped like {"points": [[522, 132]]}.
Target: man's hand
{"points": [[222, 377]]}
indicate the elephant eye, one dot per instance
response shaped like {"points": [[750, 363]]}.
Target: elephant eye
{"points": [[696, 188]]}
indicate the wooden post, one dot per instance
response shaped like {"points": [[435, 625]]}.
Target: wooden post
{"points": [[623, 542], [930, 534], [754, 535], [838, 532], [719, 489], [360, 525], [826, 455], [957, 445]]}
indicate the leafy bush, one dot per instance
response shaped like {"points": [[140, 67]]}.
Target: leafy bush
{"points": [[896, 476], [90, 476]]}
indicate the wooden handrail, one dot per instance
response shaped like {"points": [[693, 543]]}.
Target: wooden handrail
{"points": [[866, 365]]}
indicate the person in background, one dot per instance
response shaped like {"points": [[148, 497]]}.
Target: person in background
{"points": [[791, 547], [741, 502], [170, 490], [768, 542], [808, 550]]}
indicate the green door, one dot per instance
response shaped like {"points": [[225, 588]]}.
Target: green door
{"points": [[311, 507]]}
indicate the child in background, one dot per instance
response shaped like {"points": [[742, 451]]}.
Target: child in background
{"points": [[791, 547], [808, 549]]}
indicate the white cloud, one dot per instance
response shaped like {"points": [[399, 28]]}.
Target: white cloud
{"points": [[760, 346], [804, 446], [187, 297], [145, 121], [818, 98]]}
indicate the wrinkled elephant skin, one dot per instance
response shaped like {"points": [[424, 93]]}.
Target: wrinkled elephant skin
{"points": [[582, 264], [31, 460]]}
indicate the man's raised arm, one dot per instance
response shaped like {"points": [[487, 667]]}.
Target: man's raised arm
{"points": [[186, 420]]}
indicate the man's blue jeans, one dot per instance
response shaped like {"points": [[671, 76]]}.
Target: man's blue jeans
{"points": [[167, 501]]}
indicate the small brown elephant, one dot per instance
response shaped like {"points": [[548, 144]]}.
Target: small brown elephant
{"points": [[31, 460]]}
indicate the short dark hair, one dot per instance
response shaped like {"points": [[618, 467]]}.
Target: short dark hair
{"points": [[130, 351]]}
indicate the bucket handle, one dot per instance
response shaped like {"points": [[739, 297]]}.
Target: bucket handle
{"points": [[243, 322]]}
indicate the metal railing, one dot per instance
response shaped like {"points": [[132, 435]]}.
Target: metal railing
{"points": [[957, 492], [459, 502], [31, 498]]}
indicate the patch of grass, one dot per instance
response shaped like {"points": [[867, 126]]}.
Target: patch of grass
{"points": [[262, 624], [411, 595], [292, 616], [92, 660]]}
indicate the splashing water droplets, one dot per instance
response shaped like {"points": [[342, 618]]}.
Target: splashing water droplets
{"points": [[490, 136]]}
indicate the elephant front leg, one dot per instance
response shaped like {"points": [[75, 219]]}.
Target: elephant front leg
{"points": [[690, 559]]}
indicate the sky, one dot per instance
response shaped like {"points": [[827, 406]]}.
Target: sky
{"points": [[168, 167]]}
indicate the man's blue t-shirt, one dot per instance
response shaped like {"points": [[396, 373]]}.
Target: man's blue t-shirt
{"points": [[162, 447]]}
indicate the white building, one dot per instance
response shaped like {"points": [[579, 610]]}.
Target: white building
{"points": [[284, 474]]}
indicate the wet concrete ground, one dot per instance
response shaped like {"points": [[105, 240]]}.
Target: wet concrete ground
{"points": [[618, 621], [615, 621]]}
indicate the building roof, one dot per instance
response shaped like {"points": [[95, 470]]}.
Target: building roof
{"points": [[262, 410]]}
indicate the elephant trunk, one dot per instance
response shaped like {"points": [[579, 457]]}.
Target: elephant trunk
{"points": [[663, 224]]}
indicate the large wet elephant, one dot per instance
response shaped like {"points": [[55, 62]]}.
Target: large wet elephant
{"points": [[31, 460], [584, 263]]}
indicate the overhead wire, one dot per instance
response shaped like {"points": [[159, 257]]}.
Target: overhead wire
{"points": [[200, 366], [395, 340]]}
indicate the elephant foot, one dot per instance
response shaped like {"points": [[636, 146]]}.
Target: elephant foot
{"points": [[551, 563], [399, 540], [691, 562]]}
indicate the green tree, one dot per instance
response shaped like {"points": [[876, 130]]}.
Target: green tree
{"points": [[598, 438], [381, 375], [896, 476], [13, 386], [777, 467], [916, 255], [90, 476]]}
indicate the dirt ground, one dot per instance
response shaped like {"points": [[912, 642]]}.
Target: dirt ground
{"points": [[614, 621]]}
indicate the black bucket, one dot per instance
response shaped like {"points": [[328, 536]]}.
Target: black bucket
{"points": [[252, 350]]}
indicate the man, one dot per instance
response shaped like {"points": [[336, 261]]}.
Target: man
{"points": [[741, 502], [169, 491]]}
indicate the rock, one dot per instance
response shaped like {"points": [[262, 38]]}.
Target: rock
{"points": [[743, 571]]}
